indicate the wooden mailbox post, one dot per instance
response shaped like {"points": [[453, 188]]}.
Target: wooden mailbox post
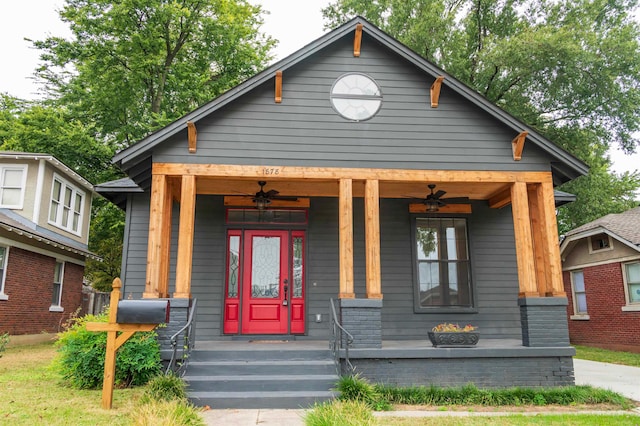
{"points": [[114, 341]]}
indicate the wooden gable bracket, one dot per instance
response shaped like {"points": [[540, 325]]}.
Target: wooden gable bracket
{"points": [[278, 97], [192, 136], [517, 145], [357, 40], [435, 91]]}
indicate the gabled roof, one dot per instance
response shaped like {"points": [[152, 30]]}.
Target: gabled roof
{"points": [[623, 226], [565, 166]]}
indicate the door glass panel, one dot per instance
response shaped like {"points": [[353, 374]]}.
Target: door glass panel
{"points": [[297, 267], [265, 267], [234, 265]]}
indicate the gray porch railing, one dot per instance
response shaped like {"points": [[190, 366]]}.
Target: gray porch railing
{"points": [[339, 336], [188, 331]]}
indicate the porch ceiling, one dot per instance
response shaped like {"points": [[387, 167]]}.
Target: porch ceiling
{"points": [[330, 188]]}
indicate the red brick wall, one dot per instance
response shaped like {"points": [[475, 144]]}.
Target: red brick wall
{"points": [[608, 326], [29, 285]]}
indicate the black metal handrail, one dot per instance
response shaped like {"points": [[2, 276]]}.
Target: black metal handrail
{"points": [[336, 341], [189, 339]]}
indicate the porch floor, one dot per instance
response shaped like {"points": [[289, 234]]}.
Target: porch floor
{"points": [[394, 348]]}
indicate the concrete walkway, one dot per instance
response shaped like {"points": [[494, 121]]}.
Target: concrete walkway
{"points": [[618, 378]]}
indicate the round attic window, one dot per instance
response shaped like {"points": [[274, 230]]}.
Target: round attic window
{"points": [[356, 97]]}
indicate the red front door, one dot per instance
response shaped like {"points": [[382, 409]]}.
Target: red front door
{"points": [[265, 282]]}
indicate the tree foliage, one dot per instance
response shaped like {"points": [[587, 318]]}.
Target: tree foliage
{"points": [[129, 67], [133, 66], [568, 68]]}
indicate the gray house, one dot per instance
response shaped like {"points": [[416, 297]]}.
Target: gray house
{"points": [[356, 175]]}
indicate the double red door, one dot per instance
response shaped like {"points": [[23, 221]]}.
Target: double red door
{"points": [[265, 282]]}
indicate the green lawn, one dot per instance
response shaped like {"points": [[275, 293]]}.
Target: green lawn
{"points": [[603, 355], [33, 394]]}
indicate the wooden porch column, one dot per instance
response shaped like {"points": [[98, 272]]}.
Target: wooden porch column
{"points": [[540, 244], [372, 238], [549, 227], [346, 239], [185, 237], [157, 279], [524, 240]]}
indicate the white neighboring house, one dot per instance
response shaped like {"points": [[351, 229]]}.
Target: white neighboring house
{"points": [[45, 209]]}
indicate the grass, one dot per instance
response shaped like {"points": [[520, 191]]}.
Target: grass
{"points": [[603, 355], [519, 419], [33, 394]]}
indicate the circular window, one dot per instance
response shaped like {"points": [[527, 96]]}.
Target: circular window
{"points": [[356, 97]]}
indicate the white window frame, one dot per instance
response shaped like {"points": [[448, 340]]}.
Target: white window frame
{"points": [[75, 191], [57, 306], [3, 295], [3, 169], [577, 315], [630, 306]]}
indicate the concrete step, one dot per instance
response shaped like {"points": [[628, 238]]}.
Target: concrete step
{"points": [[259, 355], [254, 400], [242, 368], [269, 375], [261, 383]]}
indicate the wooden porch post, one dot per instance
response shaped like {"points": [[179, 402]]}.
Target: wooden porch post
{"points": [[372, 238], [549, 227], [346, 239], [157, 279], [184, 263], [539, 238], [524, 240]]}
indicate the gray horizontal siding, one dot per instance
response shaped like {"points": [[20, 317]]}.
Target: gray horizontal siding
{"points": [[492, 254], [305, 130]]}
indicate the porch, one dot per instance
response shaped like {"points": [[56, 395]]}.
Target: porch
{"points": [[282, 373]]}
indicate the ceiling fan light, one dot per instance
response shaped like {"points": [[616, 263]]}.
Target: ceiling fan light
{"points": [[262, 203], [432, 206]]}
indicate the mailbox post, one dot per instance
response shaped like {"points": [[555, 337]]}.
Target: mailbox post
{"points": [[131, 322]]}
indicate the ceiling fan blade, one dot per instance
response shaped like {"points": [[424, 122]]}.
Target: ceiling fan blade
{"points": [[456, 200], [271, 193], [439, 194], [284, 197]]}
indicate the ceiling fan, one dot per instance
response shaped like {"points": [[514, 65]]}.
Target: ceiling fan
{"points": [[263, 199], [434, 201]]}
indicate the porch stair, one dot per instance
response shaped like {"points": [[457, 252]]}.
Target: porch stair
{"points": [[260, 375]]}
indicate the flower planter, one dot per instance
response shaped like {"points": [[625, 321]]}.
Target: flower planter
{"points": [[465, 339]]}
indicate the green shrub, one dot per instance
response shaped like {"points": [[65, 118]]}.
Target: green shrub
{"points": [[471, 395], [81, 356], [165, 388], [356, 388], [343, 413], [4, 341]]}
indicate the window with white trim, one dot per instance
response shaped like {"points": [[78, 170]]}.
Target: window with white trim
{"points": [[58, 277], [4, 253], [579, 293], [632, 280], [67, 206], [12, 186]]}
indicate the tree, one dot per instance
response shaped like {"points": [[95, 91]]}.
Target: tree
{"points": [[568, 68], [133, 66]]}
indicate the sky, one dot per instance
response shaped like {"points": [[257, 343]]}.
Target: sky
{"points": [[294, 23]]}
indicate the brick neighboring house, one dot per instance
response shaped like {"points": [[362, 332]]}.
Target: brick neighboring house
{"points": [[601, 273], [45, 208]]}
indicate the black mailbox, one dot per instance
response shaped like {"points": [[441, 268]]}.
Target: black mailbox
{"points": [[143, 312]]}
